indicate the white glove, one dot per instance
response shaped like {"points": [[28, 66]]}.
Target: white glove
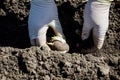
{"points": [[96, 18], [43, 13]]}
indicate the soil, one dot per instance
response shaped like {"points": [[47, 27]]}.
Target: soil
{"points": [[21, 61]]}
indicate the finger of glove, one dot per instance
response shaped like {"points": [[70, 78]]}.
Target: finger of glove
{"points": [[33, 42], [100, 17], [86, 30], [41, 40], [99, 36], [87, 26], [41, 37]]}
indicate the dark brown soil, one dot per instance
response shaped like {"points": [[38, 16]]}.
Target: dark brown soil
{"points": [[20, 61]]}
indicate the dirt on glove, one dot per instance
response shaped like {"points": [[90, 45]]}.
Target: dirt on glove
{"points": [[20, 61]]}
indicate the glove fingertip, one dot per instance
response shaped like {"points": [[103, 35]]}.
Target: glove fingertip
{"points": [[99, 46], [99, 43], [84, 37]]}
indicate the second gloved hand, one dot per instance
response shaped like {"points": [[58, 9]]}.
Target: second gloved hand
{"points": [[96, 19]]}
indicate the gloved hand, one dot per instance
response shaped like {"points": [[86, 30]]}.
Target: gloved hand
{"points": [[96, 18], [43, 14]]}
